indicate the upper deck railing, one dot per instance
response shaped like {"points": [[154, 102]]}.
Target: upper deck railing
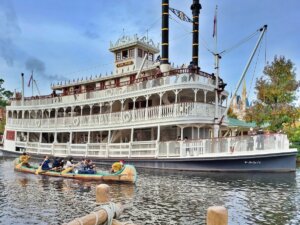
{"points": [[154, 114], [178, 76]]}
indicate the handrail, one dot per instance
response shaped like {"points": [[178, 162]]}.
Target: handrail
{"points": [[122, 84]]}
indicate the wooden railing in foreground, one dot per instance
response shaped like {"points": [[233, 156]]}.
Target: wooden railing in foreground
{"points": [[103, 215]]}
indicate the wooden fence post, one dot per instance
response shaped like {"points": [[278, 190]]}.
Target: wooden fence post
{"points": [[217, 215]]}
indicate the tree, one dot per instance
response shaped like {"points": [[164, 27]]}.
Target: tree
{"points": [[2, 126], [231, 114], [4, 94], [276, 93]]}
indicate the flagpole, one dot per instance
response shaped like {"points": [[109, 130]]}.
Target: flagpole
{"points": [[32, 82], [217, 70]]}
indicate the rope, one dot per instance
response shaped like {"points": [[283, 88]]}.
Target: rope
{"points": [[239, 43], [111, 211], [204, 43]]}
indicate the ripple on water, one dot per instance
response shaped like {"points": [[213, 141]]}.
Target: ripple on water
{"points": [[159, 197]]}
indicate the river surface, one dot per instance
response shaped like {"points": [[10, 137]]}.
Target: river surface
{"points": [[157, 198]]}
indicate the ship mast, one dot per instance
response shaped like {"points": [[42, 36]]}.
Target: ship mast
{"points": [[262, 30], [217, 71]]}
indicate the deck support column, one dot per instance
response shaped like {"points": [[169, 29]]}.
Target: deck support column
{"points": [[56, 112], [205, 93], [157, 142], [195, 94], [110, 111], [147, 104], [91, 111], [160, 102]]}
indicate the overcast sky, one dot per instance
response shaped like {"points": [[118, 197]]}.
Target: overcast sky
{"points": [[67, 39]]}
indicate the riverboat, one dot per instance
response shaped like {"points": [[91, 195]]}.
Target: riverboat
{"points": [[148, 112], [126, 174]]}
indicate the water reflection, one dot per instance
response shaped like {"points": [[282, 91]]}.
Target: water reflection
{"points": [[159, 197]]}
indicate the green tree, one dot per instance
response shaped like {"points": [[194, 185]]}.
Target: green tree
{"points": [[231, 114], [4, 94], [2, 126], [276, 93]]}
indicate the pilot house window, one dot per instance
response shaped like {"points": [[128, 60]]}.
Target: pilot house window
{"points": [[140, 53], [131, 53], [125, 54], [150, 57], [118, 56]]}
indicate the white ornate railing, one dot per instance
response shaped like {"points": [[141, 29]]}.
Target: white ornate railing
{"points": [[155, 114], [172, 149], [169, 80]]}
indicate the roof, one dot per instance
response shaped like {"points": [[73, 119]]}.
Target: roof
{"points": [[232, 122]]}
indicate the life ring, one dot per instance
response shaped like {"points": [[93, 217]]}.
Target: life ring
{"points": [[126, 116], [38, 123], [76, 121]]}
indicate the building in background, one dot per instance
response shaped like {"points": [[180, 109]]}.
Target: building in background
{"points": [[240, 104]]}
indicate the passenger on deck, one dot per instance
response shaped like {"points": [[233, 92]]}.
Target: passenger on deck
{"points": [[24, 158], [45, 163], [117, 166], [192, 70]]}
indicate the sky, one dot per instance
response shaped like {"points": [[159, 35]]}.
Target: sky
{"points": [[66, 40]]}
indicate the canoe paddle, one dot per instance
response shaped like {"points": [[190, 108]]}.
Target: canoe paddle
{"points": [[40, 168]]}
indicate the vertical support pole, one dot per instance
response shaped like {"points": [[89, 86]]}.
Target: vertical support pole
{"points": [[22, 80], [217, 215]]}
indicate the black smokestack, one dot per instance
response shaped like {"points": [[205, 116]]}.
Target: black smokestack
{"points": [[195, 7], [165, 33]]}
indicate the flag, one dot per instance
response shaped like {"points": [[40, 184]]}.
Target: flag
{"points": [[181, 15], [215, 23], [29, 81]]}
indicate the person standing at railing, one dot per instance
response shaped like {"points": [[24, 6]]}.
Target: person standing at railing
{"points": [[192, 69], [186, 146], [250, 140], [260, 139]]}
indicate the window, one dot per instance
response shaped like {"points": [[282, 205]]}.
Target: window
{"points": [[150, 56], [131, 53], [125, 54], [117, 82], [140, 53], [132, 79], [118, 56]]}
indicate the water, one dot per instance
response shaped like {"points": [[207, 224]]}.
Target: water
{"points": [[157, 198]]}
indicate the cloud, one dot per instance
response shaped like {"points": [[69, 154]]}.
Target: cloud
{"points": [[36, 65], [92, 31], [9, 29], [39, 68]]}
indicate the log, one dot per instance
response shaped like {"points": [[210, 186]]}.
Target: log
{"points": [[102, 197], [103, 194], [217, 215]]}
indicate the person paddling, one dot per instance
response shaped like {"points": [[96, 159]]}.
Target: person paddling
{"points": [[23, 160], [117, 166], [45, 163]]}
